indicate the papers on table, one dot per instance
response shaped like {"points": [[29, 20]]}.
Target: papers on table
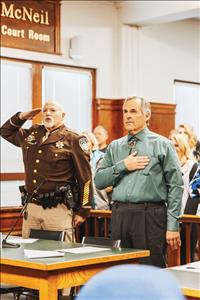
{"points": [[41, 253], [21, 240], [82, 250], [193, 267]]}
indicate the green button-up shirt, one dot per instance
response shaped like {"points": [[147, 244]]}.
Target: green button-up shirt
{"points": [[160, 180]]}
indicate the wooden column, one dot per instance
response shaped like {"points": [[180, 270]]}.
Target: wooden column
{"points": [[37, 89], [162, 118]]}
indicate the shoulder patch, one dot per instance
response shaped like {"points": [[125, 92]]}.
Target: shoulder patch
{"points": [[83, 142]]}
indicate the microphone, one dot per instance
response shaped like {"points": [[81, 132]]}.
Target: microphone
{"points": [[6, 244]]}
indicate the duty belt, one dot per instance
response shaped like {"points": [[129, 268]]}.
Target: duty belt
{"points": [[66, 194], [49, 200]]}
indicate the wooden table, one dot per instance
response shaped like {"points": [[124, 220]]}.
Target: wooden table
{"points": [[189, 279], [50, 274]]}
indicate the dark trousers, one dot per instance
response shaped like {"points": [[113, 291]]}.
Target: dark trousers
{"points": [[141, 226]]}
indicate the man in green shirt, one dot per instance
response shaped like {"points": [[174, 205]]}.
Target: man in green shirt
{"points": [[144, 171]]}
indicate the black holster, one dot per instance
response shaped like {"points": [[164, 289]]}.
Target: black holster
{"points": [[24, 194], [71, 196]]}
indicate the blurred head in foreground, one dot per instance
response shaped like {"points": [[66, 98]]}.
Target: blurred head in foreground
{"points": [[135, 282]]}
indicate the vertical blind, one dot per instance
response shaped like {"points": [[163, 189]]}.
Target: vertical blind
{"points": [[16, 95], [73, 90], [187, 99]]}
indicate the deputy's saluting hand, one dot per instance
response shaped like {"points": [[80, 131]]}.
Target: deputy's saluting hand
{"points": [[29, 115], [133, 162]]}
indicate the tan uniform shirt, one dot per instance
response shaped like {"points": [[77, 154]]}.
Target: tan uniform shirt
{"points": [[56, 161]]}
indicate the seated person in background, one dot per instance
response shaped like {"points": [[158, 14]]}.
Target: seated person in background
{"points": [[195, 188], [101, 198], [190, 135], [101, 135], [132, 282], [189, 206]]}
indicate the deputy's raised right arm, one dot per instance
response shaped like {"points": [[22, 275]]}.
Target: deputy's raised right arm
{"points": [[11, 130]]}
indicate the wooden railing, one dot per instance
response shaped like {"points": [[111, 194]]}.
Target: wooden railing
{"points": [[188, 220], [8, 216], [99, 217]]}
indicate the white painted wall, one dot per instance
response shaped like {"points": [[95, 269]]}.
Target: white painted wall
{"points": [[160, 54], [167, 52], [151, 12], [96, 24], [187, 99]]}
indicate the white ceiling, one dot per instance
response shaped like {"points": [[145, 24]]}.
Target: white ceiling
{"points": [[142, 13]]}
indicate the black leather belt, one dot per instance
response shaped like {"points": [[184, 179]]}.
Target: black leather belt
{"points": [[139, 204]]}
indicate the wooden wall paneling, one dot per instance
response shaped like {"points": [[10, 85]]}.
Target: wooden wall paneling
{"points": [[162, 118], [8, 216], [11, 176], [37, 89], [109, 115]]}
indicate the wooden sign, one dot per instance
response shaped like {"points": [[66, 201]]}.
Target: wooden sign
{"points": [[31, 25]]}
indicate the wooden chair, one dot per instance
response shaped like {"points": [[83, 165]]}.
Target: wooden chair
{"points": [[101, 241], [47, 234], [11, 289]]}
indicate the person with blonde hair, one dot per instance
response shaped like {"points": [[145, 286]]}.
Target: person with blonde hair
{"points": [[188, 169], [188, 131], [101, 198]]}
